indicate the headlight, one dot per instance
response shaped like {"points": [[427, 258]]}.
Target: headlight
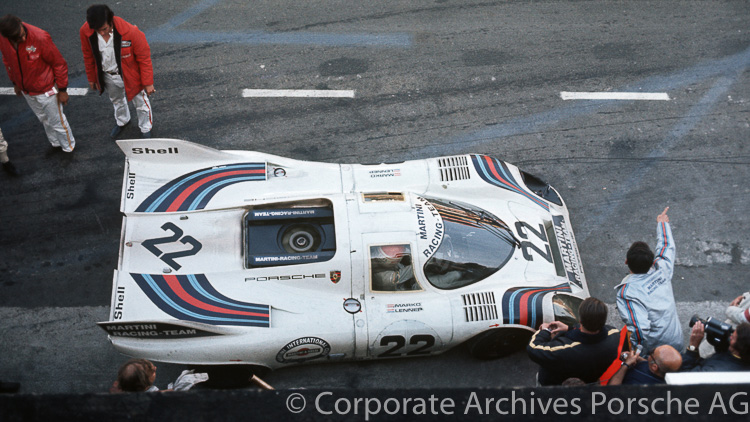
{"points": [[540, 188], [566, 308]]}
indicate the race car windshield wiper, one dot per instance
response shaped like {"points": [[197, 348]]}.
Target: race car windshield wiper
{"points": [[492, 225]]}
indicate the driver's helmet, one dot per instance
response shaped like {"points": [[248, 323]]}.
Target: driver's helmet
{"points": [[390, 254]]}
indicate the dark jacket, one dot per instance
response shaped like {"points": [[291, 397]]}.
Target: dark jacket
{"points": [[573, 354], [37, 65], [719, 362]]}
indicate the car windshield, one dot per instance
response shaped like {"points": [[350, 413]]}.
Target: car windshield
{"points": [[475, 245]]}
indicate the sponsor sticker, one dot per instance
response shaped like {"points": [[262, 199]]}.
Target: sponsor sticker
{"points": [[430, 229], [303, 349], [125, 44], [384, 173], [568, 251], [404, 307], [152, 330]]}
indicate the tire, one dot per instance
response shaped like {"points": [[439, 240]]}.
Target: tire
{"points": [[499, 343], [229, 376]]}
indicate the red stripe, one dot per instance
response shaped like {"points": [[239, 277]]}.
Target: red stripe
{"points": [[747, 314], [493, 169], [632, 315], [176, 287], [183, 196], [145, 101]]}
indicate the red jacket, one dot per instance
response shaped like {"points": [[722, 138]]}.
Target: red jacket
{"points": [[37, 65], [132, 53]]}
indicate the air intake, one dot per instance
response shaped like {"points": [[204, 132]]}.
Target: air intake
{"points": [[454, 168], [479, 306]]}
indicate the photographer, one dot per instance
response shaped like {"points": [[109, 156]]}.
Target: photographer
{"points": [[735, 358]]}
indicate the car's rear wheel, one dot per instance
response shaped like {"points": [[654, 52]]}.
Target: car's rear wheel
{"points": [[229, 376], [499, 343]]}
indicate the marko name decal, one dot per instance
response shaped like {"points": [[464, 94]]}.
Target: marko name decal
{"points": [[571, 261], [385, 173], [404, 307], [303, 349], [156, 330]]}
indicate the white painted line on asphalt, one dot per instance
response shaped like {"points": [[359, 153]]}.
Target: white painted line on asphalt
{"points": [[648, 96], [298, 93], [70, 91]]}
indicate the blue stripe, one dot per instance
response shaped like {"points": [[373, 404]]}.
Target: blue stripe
{"points": [[216, 186], [169, 302], [199, 288]]}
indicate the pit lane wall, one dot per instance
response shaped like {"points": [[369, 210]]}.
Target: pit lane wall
{"points": [[622, 403]]}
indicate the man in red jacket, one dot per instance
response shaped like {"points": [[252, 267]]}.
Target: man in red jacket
{"points": [[118, 59], [39, 73]]}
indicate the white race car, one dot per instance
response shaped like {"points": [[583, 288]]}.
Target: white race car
{"points": [[238, 257]]}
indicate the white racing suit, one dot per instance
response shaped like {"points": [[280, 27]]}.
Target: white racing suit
{"points": [[646, 303]]}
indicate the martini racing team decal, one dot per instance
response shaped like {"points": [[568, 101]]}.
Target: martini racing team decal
{"points": [[523, 305], [192, 298], [430, 228], [303, 349], [193, 191], [568, 251], [152, 330], [284, 259], [404, 307]]}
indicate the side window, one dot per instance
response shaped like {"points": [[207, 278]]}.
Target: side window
{"points": [[391, 269]]}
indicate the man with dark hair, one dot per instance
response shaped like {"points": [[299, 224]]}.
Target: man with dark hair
{"points": [[584, 352], [118, 59], [736, 358], [39, 73], [645, 300]]}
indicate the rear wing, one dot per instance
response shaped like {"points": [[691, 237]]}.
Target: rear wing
{"points": [[171, 175]]}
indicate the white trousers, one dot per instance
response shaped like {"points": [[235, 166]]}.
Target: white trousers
{"points": [[50, 113], [116, 91]]}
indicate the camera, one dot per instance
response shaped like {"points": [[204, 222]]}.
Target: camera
{"points": [[717, 333]]}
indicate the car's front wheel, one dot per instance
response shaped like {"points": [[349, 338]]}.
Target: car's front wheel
{"points": [[499, 342]]}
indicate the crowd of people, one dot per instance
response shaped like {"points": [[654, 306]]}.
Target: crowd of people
{"points": [[651, 344], [117, 58]]}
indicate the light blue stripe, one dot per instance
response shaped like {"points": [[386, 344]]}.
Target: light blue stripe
{"points": [[170, 302], [218, 185], [283, 38], [169, 191], [196, 285]]}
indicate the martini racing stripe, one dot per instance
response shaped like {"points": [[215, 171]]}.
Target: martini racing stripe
{"points": [[495, 172], [194, 190], [523, 305], [192, 298]]}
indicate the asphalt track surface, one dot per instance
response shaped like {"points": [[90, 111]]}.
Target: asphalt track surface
{"points": [[429, 78]]}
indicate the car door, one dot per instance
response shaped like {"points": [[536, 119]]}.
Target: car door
{"points": [[405, 316]]}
